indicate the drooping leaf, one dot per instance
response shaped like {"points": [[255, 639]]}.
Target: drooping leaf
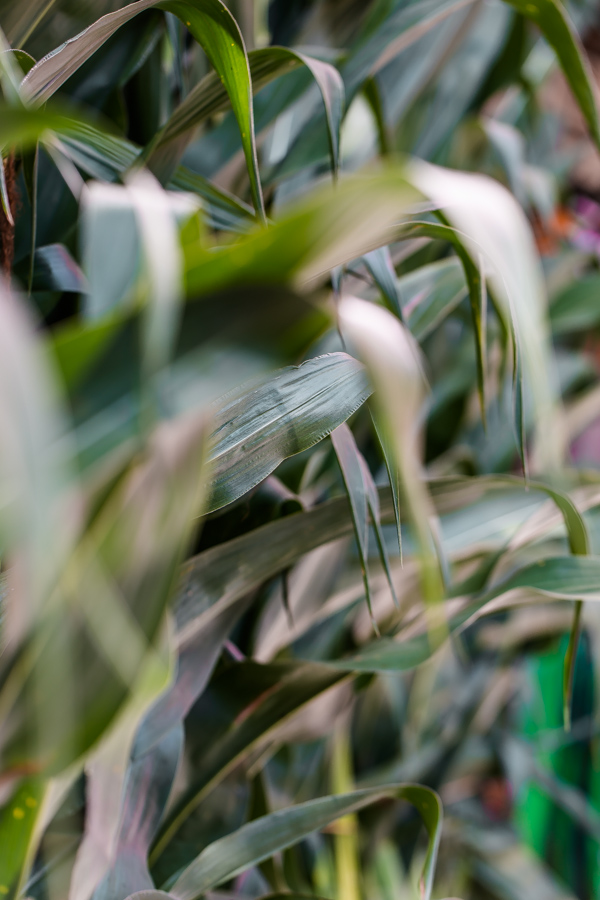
{"points": [[210, 23], [475, 278], [492, 227], [379, 264], [108, 157], [263, 837], [403, 27], [556, 26], [210, 97]]}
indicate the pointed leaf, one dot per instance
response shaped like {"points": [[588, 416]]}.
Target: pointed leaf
{"points": [[492, 226], [260, 425], [210, 23], [391, 357], [210, 97], [260, 839], [556, 26]]}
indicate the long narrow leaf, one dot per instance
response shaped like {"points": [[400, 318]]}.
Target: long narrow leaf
{"points": [[263, 837], [210, 23]]}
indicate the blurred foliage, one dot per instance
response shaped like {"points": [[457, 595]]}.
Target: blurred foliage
{"points": [[299, 466]]}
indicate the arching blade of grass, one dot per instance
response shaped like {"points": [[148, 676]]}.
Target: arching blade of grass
{"points": [[212, 26], [107, 157], [554, 23], [260, 839], [492, 226], [475, 278], [210, 97]]}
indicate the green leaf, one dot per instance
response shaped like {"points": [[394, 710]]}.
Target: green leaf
{"points": [[10, 74], [391, 357], [364, 504], [75, 348], [37, 480], [18, 820], [330, 227], [403, 27], [20, 127], [135, 226], [556, 26], [576, 529], [260, 425], [199, 645], [210, 97], [475, 278], [493, 228], [392, 470], [579, 544], [89, 654], [576, 309], [108, 157], [54, 269], [260, 839], [430, 294], [379, 263], [559, 577], [282, 689], [210, 23], [349, 459]]}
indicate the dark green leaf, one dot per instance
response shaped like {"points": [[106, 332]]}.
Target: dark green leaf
{"points": [[556, 26], [262, 838], [262, 424], [211, 24]]}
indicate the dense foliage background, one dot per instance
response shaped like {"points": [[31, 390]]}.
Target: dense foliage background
{"points": [[299, 449]]}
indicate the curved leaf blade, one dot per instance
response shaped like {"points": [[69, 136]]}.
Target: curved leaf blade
{"points": [[210, 97], [554, 23], [212, 26], [259, 426], [260, 839]]}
